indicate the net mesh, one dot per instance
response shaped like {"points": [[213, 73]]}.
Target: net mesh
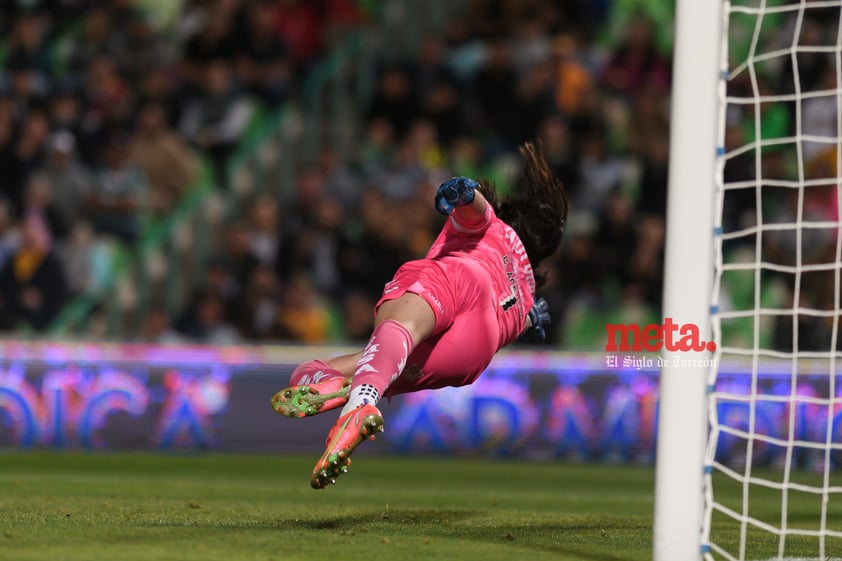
{"points": [[773, 469]]}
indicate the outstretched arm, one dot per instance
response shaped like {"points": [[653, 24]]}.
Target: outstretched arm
{"points": [[461, 199]]}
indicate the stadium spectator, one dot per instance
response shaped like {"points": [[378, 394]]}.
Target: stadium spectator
{"points": [[437, 90], [26, 89], [600, 176], [636, 63], [574, 82], [303, 316], [559, 150], [204, 321], [39, 200], [531, 40], [376, 147], [236, 258], [163, 157], [143, 50], [28, 46], [260, 304], [217, 115], [97, 38], [263, 62], [495, 88], [23, 155], [301, 27], [67, 114], [71, 182], [819, 115], [109, 102], [652, 199], [358, 319], [403, 175], [32, 284], [85, 260], [265, 230], [9, 234], [157, 327], [394, 100], [119, 198], [316, 247], [340, 183], [215, 40]]}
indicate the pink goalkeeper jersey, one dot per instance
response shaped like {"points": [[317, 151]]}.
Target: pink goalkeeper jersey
{"points": [[494, 251], [478, 281]]}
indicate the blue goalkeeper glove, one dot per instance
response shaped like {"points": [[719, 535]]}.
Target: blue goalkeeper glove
{"points": [[454, 192], [539, 318]]}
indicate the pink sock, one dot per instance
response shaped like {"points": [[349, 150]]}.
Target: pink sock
{"points": [[313, 372], [384, 357]]}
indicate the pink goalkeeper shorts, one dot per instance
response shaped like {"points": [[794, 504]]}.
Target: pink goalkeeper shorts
{"points": [[466, 335]]}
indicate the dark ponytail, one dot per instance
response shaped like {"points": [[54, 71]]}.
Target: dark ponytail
{"points": [[538, 212]]}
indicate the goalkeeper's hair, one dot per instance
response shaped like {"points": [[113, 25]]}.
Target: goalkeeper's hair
{"points": [[537, 212]]}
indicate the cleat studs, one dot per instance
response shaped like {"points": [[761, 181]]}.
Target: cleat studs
{"points": [[333, 482], [288, 394], [310, 411], [344, 469]]}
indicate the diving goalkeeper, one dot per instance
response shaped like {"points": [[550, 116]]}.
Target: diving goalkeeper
{"points": [[442, 318]]}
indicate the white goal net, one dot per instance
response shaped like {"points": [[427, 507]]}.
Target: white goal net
{"points": [[773, 465]]}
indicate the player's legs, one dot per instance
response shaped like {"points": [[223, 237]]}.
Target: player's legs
{"points": [[400, 325], [455, 357], [346, 364], [412, 312]]}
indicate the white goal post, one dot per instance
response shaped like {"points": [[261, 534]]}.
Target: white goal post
{"points": [[682, 426], [749, 452]]}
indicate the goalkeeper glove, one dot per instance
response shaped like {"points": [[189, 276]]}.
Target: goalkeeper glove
{"points": [[454, 192], [539, 318]]}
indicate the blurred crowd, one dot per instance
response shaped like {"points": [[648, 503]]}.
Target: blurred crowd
{"points": [[309, 266], [107, 106]]}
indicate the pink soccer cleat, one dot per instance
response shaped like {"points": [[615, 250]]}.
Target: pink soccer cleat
{"points": [[350, 430], [316, 388]]}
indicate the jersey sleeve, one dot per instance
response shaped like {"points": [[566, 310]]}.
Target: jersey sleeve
{"points": [[456, 233], [477, 226]]}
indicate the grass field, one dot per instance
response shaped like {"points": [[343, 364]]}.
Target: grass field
{"points": [[145, 507], [207, 507]]}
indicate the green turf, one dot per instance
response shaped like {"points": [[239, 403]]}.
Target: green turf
{"points": [[207, 507], [140, 506]]}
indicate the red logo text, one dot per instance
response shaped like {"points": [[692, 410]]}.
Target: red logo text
{"points": [[653, 337]]}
